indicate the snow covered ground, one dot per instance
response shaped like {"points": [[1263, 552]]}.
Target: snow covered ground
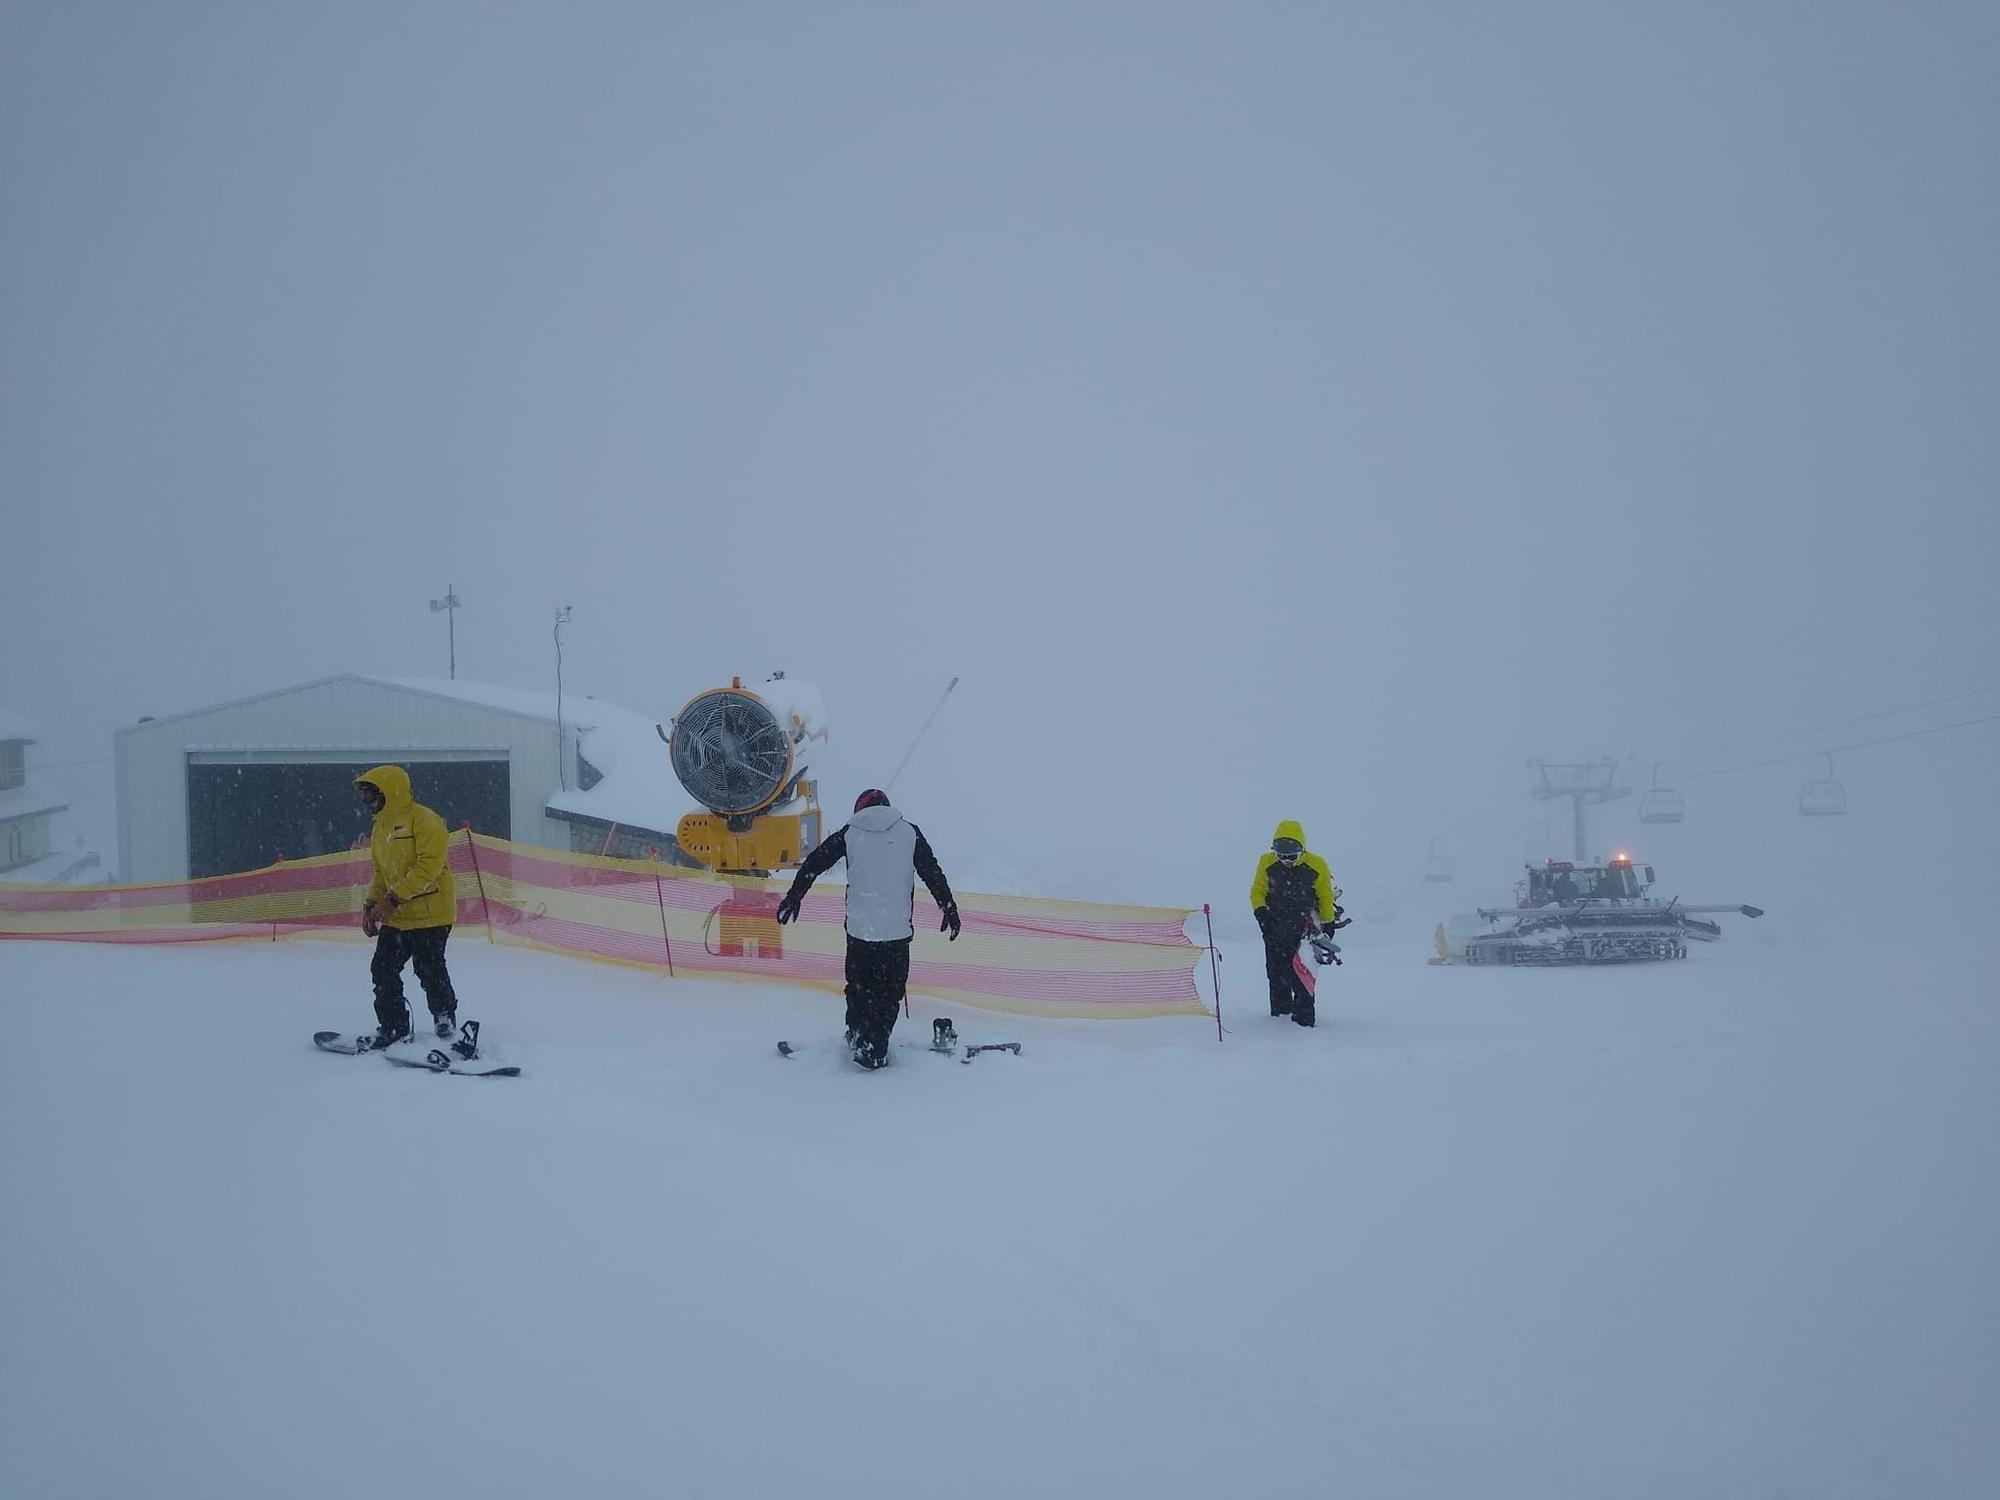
{"points": [[1722, 1228]]}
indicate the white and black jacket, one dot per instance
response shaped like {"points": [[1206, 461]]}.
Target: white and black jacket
{"points": [[884, 854]]}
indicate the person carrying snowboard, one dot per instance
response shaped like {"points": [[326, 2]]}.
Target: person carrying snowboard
{"points": [[1292, 894], [410, 905], [885, 853]]}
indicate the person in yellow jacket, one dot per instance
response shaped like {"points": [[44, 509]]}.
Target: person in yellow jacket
{"points": [[410, 904], [1291, 895]]}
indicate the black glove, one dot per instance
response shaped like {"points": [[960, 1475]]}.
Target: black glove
{"points": [[1263, 916], [394, 900], [950, 923], [788, 909]]}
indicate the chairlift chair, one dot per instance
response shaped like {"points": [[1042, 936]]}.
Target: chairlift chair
{"points": [[1824, 798], [1661, 804], [1437, 869]]}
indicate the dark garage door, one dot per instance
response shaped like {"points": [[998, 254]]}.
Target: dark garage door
{"points": [[243, 817]]}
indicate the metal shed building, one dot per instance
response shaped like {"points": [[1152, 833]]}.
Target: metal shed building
{"points": [[239, 785]]}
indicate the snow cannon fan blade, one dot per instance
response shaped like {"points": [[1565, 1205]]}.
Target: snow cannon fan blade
{"points": [[730, 752]]}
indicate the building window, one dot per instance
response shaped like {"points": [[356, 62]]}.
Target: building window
{"points": [[13, 764], [587, 775]]}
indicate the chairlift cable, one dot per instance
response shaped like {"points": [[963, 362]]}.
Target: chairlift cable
{"points": [[1914, 734], [1772, 739]]}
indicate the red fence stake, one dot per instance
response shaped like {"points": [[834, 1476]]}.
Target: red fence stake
{"points": [[472, 848], [661, 896], [1214, 970]]}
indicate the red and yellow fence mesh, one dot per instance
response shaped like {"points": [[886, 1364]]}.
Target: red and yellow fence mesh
{"points": [[1016, 953]]}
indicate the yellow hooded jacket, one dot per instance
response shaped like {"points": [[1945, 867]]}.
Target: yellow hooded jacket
{"points": [[408, 845], [1290, 895]]}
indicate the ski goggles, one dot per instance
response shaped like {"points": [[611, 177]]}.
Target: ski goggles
{"points": [[1287, 849]]}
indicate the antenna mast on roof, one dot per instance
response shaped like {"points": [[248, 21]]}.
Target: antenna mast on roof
{"points": [[449, 604]]}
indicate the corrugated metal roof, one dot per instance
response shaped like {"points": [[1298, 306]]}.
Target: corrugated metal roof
{"points": [[520, 703]]}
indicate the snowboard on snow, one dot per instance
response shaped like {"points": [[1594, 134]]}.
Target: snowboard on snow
{"points": [[436, 1061], [792, 1049]]}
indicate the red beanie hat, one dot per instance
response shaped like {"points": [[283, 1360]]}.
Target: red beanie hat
{"points": [[871, 798]]}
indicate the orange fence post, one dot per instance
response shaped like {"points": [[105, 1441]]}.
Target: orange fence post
{"points": [[661, 896], [472, 848]]}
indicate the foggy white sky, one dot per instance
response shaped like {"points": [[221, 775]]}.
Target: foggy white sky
{"points": [[1275, 410]]}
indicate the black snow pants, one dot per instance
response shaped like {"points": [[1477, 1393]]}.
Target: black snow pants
{"points": [[1289, 996], [877, 975], [423, 949]]}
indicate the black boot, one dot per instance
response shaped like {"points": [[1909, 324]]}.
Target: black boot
{"points": [[392, 1021]]}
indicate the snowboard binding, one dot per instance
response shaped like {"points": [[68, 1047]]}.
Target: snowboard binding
{"points": [[467, 1045], [944, 1036]]}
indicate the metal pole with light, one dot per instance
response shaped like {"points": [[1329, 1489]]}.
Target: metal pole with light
{"points": [[449, 604]]}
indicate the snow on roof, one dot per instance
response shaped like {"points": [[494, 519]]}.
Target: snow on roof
{"points": [[14, 727], [27, 801], [639, 789]]}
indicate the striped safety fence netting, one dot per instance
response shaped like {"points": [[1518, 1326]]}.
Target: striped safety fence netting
{"points": [[1015, 953]]}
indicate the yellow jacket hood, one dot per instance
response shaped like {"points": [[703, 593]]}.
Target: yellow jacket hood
{"points": [[393, 782]]}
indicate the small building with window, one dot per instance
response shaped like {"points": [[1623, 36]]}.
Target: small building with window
{"points": [[26, 806], [243, 784]]}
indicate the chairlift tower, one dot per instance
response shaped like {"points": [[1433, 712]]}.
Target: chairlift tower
{"points": [[1584, 783]]}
